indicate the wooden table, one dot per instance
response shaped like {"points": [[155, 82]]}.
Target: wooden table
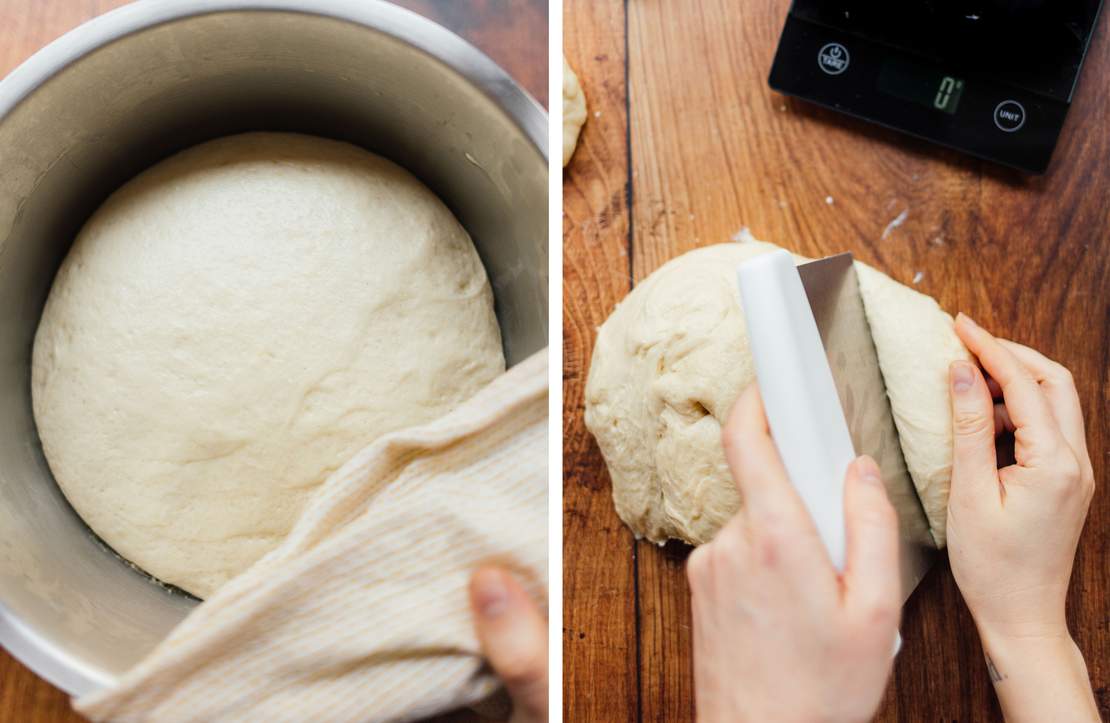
{"points": [[512, 32], [685, 145]]}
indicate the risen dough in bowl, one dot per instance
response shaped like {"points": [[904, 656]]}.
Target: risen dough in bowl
{"points": [[232, 325], [673, 357]]}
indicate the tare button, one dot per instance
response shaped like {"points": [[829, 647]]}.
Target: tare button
{"points": [[833, 58], [1009, 116]]}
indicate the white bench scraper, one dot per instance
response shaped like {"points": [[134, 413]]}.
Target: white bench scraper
{"points": [[825, 397]]}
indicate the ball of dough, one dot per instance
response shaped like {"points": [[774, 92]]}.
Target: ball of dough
{"points": [[574, 111], [673, 357], [231, 326]]}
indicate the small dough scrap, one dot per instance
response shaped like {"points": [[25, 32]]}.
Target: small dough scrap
{"points": [[236, 322], [574, 111], [673, 357]]}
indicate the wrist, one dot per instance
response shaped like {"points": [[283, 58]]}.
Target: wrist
{"points": [[1039, 677], [1046, 632], [1002, 650]]}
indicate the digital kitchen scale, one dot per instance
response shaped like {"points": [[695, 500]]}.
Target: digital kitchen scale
{"points": [[993, 78]]}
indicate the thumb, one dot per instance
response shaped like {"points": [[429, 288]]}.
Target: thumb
{"points": [[513, 635], [973, 454], [871, 576]]}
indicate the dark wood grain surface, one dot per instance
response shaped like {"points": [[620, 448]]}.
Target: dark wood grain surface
{"points": [[684, 146], [512, 32]]}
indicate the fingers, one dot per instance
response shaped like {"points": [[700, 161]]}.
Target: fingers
{"points": [[755, 463], [1059, 389], [513, 635], [973, 427], [871, 574], [720, 561], [773, 519], [1027, 406], [1041, 367]]}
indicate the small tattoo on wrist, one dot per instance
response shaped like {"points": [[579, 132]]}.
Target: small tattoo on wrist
{"points": [[996, 675]]}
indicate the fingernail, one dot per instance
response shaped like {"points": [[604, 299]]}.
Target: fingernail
{"points": [[490, 594], [969, 321], [963, 376], [869, 471]]}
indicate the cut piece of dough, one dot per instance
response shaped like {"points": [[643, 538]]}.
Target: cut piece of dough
{"points": [[574, 111], [231, 326], [916, 342], [673, 357]]}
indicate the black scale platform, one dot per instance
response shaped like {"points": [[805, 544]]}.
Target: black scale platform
{"points": [[993, 78]]}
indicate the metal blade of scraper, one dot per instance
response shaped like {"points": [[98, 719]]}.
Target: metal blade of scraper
{"points": [[832, 288]]}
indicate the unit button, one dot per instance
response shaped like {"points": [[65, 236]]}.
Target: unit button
{"points": [[833, 58], [1009, 116]]}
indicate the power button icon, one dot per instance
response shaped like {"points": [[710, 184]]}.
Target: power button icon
{"points": [[833, 58], [1009, 116]]}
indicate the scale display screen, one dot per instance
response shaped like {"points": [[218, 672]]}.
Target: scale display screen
{"points": [[920, 84]]}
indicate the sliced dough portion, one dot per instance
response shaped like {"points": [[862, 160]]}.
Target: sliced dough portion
{"points": [[916, 343], [673, 357], [574, 111]]}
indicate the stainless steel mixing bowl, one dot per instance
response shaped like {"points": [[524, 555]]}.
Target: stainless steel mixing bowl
{"points": [[117, 94]]}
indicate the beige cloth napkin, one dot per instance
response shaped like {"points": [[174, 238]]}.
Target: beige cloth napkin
{"points": [[362, 613]]}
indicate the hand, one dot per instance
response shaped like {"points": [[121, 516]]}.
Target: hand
{"points": [[1012, 532], [513, 635], [778, 634]]}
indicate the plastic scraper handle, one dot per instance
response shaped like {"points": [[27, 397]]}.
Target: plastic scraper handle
{"points": [[799, 395]]}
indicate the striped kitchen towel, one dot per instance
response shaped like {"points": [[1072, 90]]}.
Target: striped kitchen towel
{"points": [[362, 613]]}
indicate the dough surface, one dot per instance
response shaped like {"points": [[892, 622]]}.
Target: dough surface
{"points": [[673, 357], [574, 111], [231, 326]]}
